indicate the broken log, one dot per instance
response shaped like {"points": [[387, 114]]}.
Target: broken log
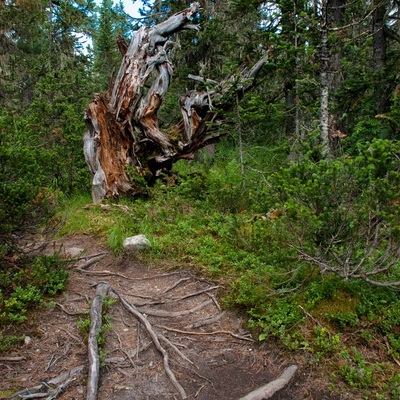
{"points": [[124, 145]]}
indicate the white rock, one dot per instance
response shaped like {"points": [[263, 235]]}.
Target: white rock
{"points": [[135, 243], [73, 252]]}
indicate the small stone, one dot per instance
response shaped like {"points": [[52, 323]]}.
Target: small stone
{"points": [[27, 340], [135, 243], [73, 252]]}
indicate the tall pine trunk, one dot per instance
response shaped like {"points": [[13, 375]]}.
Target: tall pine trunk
{"points": [[379, 52], [324, 81]]}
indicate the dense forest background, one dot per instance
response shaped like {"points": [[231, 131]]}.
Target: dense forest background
{"points": [[296, 210]]}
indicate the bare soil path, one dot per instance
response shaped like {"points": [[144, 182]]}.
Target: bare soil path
{"points": [[210, 353]]}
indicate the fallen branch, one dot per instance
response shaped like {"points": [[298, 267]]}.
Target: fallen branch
{"points": [[268, 390], [154, 336], [93, 353]]}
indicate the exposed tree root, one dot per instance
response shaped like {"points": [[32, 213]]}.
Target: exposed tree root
{"points": [[208, 321], [174, 314], [176, 284], [103, 273], [92, 260], [130, 358], [12, 359], [206, 333], [69, 312], [162, 337], [93, 353], [268, 390], [133, 310], [196, 294], [50, 389]]}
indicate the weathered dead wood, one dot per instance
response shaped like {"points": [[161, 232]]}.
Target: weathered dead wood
{"points": [[268, 390], [154, 336], [93, 351], [124, 143]]}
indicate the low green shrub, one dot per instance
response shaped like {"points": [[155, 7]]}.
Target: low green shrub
{"points": [[26, 282]]}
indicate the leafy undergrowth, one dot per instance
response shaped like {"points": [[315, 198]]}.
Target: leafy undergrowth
{"points": [[292, 246], [26, 283]]}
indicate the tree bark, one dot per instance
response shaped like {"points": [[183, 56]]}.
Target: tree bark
{"points": [[124, 146], [379, 52], [324, 82]]}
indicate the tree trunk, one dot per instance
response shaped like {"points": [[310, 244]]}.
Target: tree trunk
{"points": [[324, 82], [336, 11], [123, 145], [379, 52]]}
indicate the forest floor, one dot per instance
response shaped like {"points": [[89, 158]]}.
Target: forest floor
{"points": [[211, 354]]}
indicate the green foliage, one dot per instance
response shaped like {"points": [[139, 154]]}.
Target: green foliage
{"points": [[8, 341], [324, 343], [25, 284], [253, 239], [345, 209], [356, 371], [279, 319], [84, 326]]}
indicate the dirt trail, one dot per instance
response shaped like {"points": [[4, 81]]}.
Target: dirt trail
{"points": [[212, 356]]}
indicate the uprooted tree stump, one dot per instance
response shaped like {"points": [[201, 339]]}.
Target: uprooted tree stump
{"points": [[124, 144]]}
